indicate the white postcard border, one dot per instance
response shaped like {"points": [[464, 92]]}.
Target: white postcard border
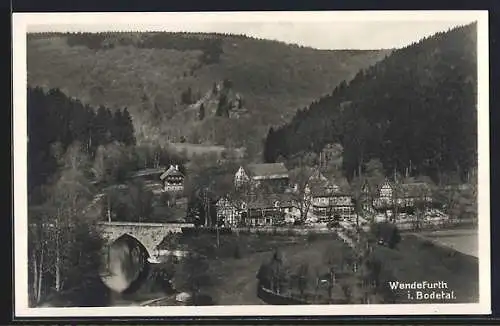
{"points": [[152, 21]]}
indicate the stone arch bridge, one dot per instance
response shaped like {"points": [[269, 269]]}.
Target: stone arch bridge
{"points": [[150, 235]]}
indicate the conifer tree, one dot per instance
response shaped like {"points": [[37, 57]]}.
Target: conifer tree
{"points": [[201, 114], [118, 126], [269, 147], [128, 128]]}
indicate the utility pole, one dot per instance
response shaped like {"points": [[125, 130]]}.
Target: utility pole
{"points": [[208, 215], [217, 228], [205, 201]]}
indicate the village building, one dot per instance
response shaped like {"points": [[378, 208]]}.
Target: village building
{"points": [[414, 193], [270, 210], [254, 210], [270, 176], [327, 199], [172, 179], [403, 195], [160, 179], [228, 211], [405, 203], [386, 192]]}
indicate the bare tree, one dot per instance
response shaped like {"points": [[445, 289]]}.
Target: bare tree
{"points": [[301, 196], [37, 237], [56, 240]]}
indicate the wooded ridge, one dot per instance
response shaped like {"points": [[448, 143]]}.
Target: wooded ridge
{"points": [[415, 111]]}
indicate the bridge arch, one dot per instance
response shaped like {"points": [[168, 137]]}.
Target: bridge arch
{"points": [[149, 235], [123, 262], [132, 241]]}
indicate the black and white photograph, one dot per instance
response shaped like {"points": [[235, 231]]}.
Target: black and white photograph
{"points": [[251, 163]]}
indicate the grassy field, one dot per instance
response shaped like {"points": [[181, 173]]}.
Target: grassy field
{"points": [[236, 281]]}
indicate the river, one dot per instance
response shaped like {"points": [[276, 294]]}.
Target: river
{"points": [[462, 240]]}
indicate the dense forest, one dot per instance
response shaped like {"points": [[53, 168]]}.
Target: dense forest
{"points": [[152, 73], [415, 111], [54, 119]]}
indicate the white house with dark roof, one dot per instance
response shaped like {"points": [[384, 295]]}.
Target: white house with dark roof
{"points": [[274, 175], [173, 179]]}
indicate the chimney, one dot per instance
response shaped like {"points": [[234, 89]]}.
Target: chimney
{"points": [[177, 167]]}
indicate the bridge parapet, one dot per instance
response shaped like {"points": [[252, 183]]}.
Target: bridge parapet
{"points": [[149, 234]]}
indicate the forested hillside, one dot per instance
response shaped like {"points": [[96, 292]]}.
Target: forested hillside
{"points": [[414, 110], [96, 142], [159, 76]]}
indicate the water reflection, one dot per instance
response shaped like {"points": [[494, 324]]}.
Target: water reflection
{"points": [[129, 278], [123, 263]]}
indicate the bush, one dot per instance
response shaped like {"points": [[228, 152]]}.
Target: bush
{"points": [[264, 275]]}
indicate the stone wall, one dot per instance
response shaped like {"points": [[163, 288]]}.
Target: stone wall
{"points": [[149, 234]]}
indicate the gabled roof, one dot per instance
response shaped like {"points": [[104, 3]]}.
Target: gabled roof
{"points": [[172, 171], [317, 176], [326, 188], [259, 202], [267, 170], [386, 183], [270, 201], [231, 202], [318, 187]]}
